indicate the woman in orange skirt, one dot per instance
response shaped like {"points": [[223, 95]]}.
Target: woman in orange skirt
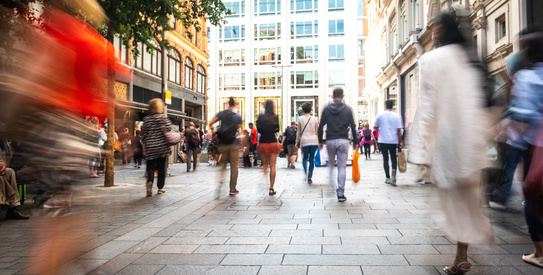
{"points": [[268, 147]]}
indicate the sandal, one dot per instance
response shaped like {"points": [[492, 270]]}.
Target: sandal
{"points": [[161, 191], [458, 269], [272, 192]]}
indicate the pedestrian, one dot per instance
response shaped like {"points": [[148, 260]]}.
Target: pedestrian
{"points": [[202, 139], [289, 141], [338, 117], [229, 144], [246, 144], [254, 141], [366, 140], [137, 149], [9, 192], [155, 145], [125, 140], [192, 143], [452, 99], [308, 140], [267, 126], [376, 148], [92, 139], [389, 124]]}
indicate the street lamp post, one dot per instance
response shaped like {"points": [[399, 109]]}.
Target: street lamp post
{"points": [[283, 106]]}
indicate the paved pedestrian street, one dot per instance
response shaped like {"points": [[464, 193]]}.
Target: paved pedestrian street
{"points": [[193, 229]]}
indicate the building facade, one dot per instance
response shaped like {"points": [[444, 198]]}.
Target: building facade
{"points": [[311, 42], [362, 31], [399, 35]]}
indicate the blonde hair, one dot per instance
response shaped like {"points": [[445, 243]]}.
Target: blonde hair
{"points": [[156, 106]]}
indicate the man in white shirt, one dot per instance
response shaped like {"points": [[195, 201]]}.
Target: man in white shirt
{"points": [[390, 136]]}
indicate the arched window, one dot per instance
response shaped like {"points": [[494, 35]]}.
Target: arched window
{"points": [[174, 66], [200, 79], [189, 73], [149, 62]]}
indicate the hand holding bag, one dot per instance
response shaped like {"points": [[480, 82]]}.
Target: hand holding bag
{"points": [[402, 162]]}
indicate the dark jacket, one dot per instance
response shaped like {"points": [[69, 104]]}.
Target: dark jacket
{"points": [[338, 117]]}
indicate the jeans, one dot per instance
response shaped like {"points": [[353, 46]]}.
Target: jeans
{"points": [[192, 153], [387, 149], [159, 165], [230, 154], [513, 155], [339, 147], [367, 150], [309, 155]]}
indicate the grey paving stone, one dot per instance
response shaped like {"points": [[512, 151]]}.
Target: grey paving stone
{"points": [[182, 259], [232, 248], [81, 266], [282, 220], [258, 240], [501, 270], [294, 249], [208, 270], [321, 226], [196, 240], [374, 220], [264, 226], [138, 234], [281, 269], [240, 233], [473, 249], [357, 226], [362, 233], [147, 245], [175, 249], [333, 221], [252, 259], [404, 270], [314, 240], [498, 259], [438, 260], [196, 226], [529, 269], [342, 260], [518, 248], [364, 240], [301, 232], [170, 230], [334, 270], [109, 250], [135, 269], [117, 264], [418, 240], [350, 248], [193, 233], [409, 249]]}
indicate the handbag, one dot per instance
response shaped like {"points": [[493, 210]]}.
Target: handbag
{"points": [[402, 162], [298, 141], [356, 169], [172, 138], [533, 184]]}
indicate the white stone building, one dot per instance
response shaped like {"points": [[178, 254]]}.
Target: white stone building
{"points": [[312, 42]]}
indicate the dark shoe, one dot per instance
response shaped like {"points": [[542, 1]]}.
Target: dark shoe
{"points": [[341, 198], [149, 187], [15, 214], [188, 169], [272, 192], [309, 181]]}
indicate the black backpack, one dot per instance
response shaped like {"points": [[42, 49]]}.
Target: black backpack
{"points": [[291, 135], [367, 136], [227, 135], [194, 138]]}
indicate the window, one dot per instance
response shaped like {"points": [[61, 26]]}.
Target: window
{"points": [[233, 81], [335, 28], [336, 53], [415, 14], [299, 6], [270, 31], [147, 61], [304, 79], [232, 57], [267, 7], [335, 4], [403, 21], [360, 27], [189, 73], [304, 29], [360, 8], [267, 56], [121, 51], [336, 78], [304, 54], [232, 33], [360, 47], [384, 49], [174, 66], [393, 36], [501, 30], [200, 80], [267, 81], [237, 8]]}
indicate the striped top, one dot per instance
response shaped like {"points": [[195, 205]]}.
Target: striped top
{"points": [[153, 138]]}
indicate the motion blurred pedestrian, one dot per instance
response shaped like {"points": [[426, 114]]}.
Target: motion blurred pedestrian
{"points": [[137, 149], [366, 140], [390, 139], [267, 125]]}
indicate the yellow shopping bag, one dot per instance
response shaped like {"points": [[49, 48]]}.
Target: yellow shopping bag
{"points": [[356, 170]]}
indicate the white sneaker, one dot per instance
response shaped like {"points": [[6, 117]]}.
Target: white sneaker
{"points": [[388, 181], [393, 176]]}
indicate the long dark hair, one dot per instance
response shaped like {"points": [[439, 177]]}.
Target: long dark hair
{"points": [[268, 108], [451, 31], [533, 44]]}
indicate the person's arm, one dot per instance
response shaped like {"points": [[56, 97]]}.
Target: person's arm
{"points": [[213, 120], [353, 130], [400, 137], [320, 131]]}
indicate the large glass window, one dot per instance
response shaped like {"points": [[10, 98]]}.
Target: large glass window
{"points": [[267, 7], [360, 8], [415, 14], [336, 78], [336, 53], [393, 36], [304, 79], [267, 56], [232, 81], [299, 6], [304, 29], [403, 21], [232, 57], [267, 80], [360, 47], [270, 31], [189, 73], [174, 66], [360, 27], [147, 61], [232, 33], [336, 28], [304, 54], [121, 52], [335, 4], [236, 7], [200, 79]]}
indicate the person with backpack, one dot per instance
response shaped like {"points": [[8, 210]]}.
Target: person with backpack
{"points": [[192, 140], [289, 140], [366, 140], [229, 144]]}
